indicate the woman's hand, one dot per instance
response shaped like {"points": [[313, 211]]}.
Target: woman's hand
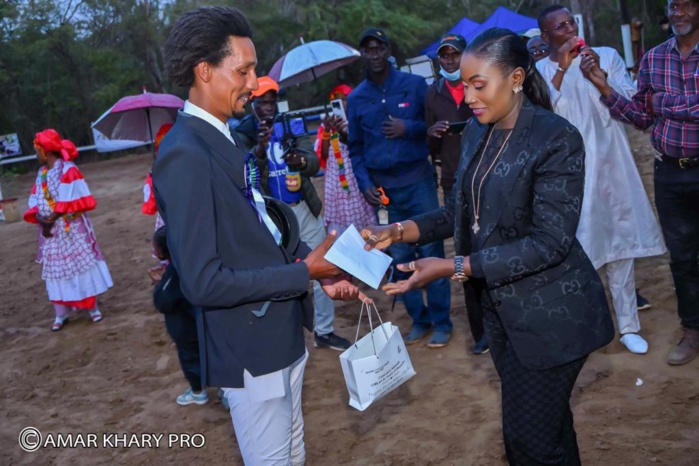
{"points": [[424, 270], [335, 123], [46, 224], [379, 236]]}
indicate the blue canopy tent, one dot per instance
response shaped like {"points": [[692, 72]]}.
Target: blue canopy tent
{"points": [[504, 18], [463, 27]]}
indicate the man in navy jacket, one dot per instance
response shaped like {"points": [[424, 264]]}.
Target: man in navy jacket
{"points": [[387, 144]]}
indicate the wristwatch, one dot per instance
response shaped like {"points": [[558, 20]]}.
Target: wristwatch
{"points": [[459, 275]]}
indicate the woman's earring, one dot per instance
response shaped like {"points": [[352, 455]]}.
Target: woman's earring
{"points": [[517, 89]]}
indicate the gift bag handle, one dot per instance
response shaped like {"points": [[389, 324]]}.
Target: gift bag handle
{"points": [[371, 326]]}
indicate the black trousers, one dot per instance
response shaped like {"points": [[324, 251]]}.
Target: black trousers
{"points": [[182, 328], [537, 422], [677, 200]]}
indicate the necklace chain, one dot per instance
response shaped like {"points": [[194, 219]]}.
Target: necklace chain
{"points": [[477, 199]]}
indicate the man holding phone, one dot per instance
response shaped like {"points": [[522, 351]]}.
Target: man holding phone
{"points": [[617, 223], [288, 179], [386, 116], [446, 111]]}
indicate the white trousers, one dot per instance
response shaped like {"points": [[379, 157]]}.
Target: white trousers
{"points": [[313, 233], [270, 431], [622, 285]]}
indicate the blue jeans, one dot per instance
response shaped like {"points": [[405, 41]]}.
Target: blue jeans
{"points": [[410, 201]]}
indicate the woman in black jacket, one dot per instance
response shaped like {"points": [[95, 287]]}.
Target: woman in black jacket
{"points": [[513, 215]]}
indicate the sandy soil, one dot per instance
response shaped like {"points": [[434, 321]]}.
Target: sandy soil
{"points": [[122, 376]]}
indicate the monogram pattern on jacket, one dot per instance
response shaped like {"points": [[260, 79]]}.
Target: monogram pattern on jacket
{"points": [[539, 280]]}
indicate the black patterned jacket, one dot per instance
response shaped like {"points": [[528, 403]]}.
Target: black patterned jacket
{"points": [[541, 283]]}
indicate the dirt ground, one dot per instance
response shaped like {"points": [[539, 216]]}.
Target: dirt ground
{"points": [[121, 376]]}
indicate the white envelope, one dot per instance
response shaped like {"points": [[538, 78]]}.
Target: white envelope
{"points": [[348, 253]]}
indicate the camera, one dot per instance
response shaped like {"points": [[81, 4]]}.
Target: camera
{"points": [[287, 128]]}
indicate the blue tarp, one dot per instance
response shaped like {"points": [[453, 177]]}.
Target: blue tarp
{"points": [[504, 18], [463, 27]]}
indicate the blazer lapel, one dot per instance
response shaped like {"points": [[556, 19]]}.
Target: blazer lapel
{"points": [[471, 142], [227, 156], [507, 169]]}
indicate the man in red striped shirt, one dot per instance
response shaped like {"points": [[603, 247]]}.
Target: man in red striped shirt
{"points": [[668, 100]]}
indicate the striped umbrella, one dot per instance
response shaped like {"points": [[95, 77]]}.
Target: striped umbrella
{"points": [[309, 61]]}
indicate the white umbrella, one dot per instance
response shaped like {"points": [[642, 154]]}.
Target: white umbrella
{"points": [[309, 61]]}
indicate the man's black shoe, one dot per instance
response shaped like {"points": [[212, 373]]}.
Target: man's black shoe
{"points": [[331, 341]]}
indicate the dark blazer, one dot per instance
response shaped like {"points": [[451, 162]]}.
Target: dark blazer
{"points": [[544, 288], [228, 262]]}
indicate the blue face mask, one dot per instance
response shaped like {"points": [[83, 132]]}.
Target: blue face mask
{"points": [[455, 76]]}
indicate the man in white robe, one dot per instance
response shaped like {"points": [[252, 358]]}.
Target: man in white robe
{"points": [[617, 223]]}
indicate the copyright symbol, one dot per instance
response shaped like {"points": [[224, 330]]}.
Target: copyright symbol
{"points": [[30, 439]]}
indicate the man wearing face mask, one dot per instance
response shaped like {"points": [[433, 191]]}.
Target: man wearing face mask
{"points": [[444, 104]]}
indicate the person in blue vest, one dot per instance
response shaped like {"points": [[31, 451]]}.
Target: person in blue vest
{"points": [[388, 149], [288, 179]]}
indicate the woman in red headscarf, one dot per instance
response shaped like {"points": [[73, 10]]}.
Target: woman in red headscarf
{"points": [[73, 265], [344, 202]]}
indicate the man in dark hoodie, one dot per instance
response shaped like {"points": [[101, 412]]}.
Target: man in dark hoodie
{"points": [[445, 106]]}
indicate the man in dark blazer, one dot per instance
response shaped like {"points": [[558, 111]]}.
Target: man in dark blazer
{"points": [[250, 292]]}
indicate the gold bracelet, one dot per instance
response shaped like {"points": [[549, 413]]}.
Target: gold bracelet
{"points": [[400, 230]]}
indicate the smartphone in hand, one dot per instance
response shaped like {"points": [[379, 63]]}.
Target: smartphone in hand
{"points": [[338, 109], [456, 127]]}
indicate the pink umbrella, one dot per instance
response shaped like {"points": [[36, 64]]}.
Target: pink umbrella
{"points": [[139, 117]]}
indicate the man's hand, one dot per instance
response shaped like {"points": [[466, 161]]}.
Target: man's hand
{"points": [[296, 162], [341, 288], [372, 196], [589, 65], [393, 128], [567, 52], [264, 132], [318, 267], [438, 129]]}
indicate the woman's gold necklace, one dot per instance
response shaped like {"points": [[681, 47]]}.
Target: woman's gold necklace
{"points": [[476, 200]]}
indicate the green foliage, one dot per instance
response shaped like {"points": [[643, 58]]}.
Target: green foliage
{"points": [[64, 62]]}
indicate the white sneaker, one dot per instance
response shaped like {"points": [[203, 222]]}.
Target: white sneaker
{"points": [[634, 343]]}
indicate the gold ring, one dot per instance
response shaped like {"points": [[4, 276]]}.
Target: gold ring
{"points": [[374, 238]]}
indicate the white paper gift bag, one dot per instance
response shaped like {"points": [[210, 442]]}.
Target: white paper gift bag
{"points": [[375, 365]]}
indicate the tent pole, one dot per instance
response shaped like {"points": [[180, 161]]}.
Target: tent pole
{"points": [[150, 131]]}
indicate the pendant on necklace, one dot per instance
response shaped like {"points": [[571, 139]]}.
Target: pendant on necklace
{"points": [[475, 228]]}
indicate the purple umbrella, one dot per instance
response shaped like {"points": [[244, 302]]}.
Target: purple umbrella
{"points": [[309, 61], [138, 117]]}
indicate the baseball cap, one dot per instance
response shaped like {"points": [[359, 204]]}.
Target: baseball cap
{"points": [[533, 32], [452, 40], [266, 84], [374, 33]]}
